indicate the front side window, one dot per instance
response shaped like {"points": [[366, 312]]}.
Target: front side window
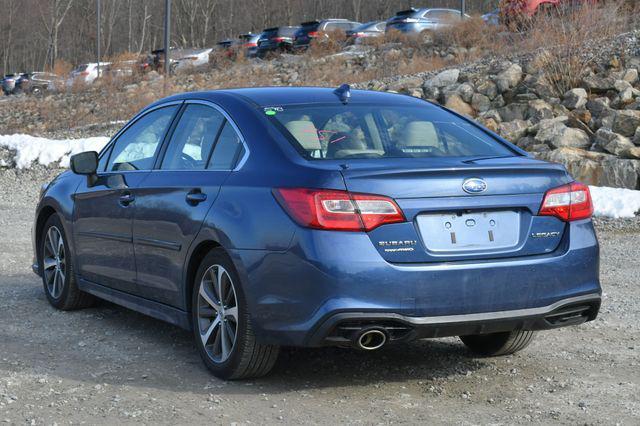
{"points": [[380, 131], [136, 148], [193, 138]]}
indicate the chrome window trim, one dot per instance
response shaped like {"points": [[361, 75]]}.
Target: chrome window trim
{"points": [[210, 104], [218, 108]]}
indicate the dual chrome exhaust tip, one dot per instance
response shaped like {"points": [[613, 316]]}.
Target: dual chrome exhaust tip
{"points": [[370, 339]]}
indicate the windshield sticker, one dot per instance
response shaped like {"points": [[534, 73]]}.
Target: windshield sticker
{"points": [[273, 110]]}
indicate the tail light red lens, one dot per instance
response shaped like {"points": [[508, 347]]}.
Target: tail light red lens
{"points": [[313, 34], [338, 210], [568, 202], [279, 39]]}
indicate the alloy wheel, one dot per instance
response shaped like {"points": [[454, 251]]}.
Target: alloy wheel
{"points": [[54, 262], [217, 313]]}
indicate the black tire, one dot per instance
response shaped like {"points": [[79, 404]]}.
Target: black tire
{"points": [[498, 344], [69, 297], [247, 358]]}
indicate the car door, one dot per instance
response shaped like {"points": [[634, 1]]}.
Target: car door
{"points": [[104, 209], [174, 199]]}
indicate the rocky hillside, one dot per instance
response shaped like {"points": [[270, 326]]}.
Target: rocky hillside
{"points": [[593, 129]]}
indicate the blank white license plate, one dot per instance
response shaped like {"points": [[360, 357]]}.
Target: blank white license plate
{"points": [[451, 232]]}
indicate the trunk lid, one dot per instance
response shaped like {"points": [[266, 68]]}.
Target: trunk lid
{"points": [[461, 209]]}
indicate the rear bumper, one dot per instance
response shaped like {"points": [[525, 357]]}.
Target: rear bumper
{"points": [[340, 328], [326, 275]]}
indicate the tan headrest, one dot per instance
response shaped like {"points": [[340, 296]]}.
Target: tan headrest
{"points": [[420, 133], [305, 133]]}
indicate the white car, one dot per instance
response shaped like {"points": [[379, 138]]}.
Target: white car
{"points": [[190, 58], [87, 73]]}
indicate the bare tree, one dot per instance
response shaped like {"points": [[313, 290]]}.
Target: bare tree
{"points": [[57, 11]]}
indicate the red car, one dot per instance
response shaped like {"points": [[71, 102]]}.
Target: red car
{"points": [[514, 9]]}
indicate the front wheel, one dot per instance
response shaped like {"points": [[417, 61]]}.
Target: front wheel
{"points": [[56, 264], [221, 323], [498, 344]]}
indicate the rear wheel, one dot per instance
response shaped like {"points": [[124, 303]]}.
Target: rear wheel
{"points": [[58, 278], [221, 323], [498, 344]]}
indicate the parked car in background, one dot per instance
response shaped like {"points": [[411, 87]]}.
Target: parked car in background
{"points": [[37, 82], [284, 216], [191, 58], [250, 44], [277, 39], [373, 29], [87, 73], [492, 18], [423, 21], [314, 29], [9, 83]]}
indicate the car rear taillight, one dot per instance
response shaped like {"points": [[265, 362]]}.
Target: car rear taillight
{"points": [[568, 202], [338, 210], [279, 39], [84, 73], [247, 45], [313, 34]]}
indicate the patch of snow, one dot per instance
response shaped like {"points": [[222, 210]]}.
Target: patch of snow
{"points": [[615, 202], [30, 149]]}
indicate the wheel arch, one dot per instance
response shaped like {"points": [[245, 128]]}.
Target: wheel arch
{"points": [[199, 252], [43, 216]]}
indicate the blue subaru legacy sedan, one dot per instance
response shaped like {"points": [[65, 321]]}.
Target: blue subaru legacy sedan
{"points": [[268, 217]]}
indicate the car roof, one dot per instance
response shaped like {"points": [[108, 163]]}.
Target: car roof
{"points": [[279, 96]]}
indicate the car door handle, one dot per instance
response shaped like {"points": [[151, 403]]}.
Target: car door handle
{"points": [[196, 197], [127, 198]]}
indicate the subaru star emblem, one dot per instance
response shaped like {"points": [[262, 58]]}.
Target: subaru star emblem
{"points": [[474, 185]]}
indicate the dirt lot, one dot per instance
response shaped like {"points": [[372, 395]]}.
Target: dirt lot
{"points": [[108, 364]]}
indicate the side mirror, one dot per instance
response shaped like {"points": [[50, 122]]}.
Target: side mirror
{"points": [[85, 163]]}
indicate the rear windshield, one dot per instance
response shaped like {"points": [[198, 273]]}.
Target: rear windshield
{"points": [[287, 31], [405, 13], [329, 132], [309, 26]]}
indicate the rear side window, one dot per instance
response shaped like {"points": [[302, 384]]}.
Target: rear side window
{"points": [[193, 138], [381, 131], [443, 15], [227, 151], [136, 148]]}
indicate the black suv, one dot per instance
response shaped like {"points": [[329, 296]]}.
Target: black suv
{"points": [[313, 29], [277, 39], [36, 82]]}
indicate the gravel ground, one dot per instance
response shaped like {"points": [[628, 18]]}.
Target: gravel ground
{"points": [[108, 364]]}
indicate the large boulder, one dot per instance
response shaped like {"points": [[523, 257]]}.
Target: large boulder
{"points": [[539, 110], [575, 98], [513, 130], [487, 88], [598, 106], [631, 75], [456, 103], [626, 122], [596, 168], [445, 78], [599, 84], [513, 111], [557, 135], [510, 77], [480, 103], [631, 153], [612, 142]]}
